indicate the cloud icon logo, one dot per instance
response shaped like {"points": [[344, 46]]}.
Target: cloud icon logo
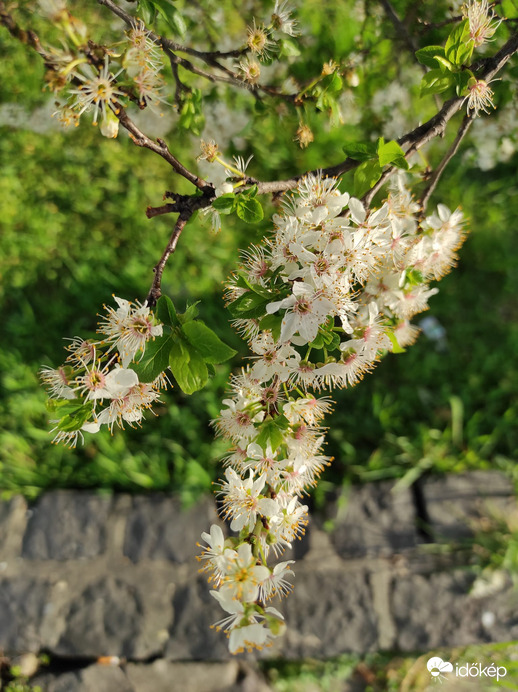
{"points": [[437, 666]]}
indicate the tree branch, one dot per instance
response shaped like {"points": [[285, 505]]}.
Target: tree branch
{"points": [[398, 25], [210, 58], [160, 148], [417, 138], [30, 38], [464, 127], [155, 291]]}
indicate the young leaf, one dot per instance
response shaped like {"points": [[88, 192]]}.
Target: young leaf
{"points": [[444, 64], [225, 204], [171, 15], [427, 55], [191, 312], [244, 282], [396, 348], [188, 367], [166, 312], [155, 359], [366, 175], [436, 81], [249, 306], [270, 434], [360, 151], [146, 11], [208, 343], [273, 323], [288, 48], [462, 80], [459, 45], [75, 419], [249, 209], [391, 153]]}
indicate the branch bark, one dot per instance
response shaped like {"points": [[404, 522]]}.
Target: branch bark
{"points": [[156, 291], [436, 175]]}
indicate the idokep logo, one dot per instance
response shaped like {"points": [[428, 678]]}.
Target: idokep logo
{"points": [[477, 670], [438, 667]]}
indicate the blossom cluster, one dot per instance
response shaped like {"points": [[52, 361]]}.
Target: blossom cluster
{"points": [[262, 41], [86, 81], [320, 302], [96, 385]]}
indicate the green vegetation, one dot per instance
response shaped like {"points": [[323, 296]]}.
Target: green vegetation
{"points": [[386, 672], [74, 232]]}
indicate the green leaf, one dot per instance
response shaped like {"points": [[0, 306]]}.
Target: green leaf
{"points": [[63, 406], [190, 313], [155, 359], [249, 306], [509, 9], [462, 80], [459, 45], [249, 209], [272, 323], [146, 11], [270, 433], [334, 343], [396, 348], [75, 419], [436, 81], [171, 15], [244, 282], [365, 176], [188, 367], [191, 112], [208, 343], [360, 151], [335, 83], [443, 63], [166, 312], [391, 153], [427, 55], [288, 48], [225, 204]]}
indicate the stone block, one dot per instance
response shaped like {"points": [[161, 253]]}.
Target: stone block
{"points": [[191, 636], [104, 620], [438, 609], [158, 528], [22, 606], [94, 678], [453, 501], [330, 612], [373, 521], [167, 676], [66, 525]]}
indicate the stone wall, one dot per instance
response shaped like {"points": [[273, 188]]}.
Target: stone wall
{"points": [[85, 576]]}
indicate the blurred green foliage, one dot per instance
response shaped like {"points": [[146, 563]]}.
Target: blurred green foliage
{"points": [[389, 672], [74, 232]]}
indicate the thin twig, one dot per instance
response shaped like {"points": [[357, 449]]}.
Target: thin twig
{"points": [[29, 37], [155, 291], [160, 148], [418, 137], [402, 30], [210, 58], [428, 26], [434, 179], [398, 25]]}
